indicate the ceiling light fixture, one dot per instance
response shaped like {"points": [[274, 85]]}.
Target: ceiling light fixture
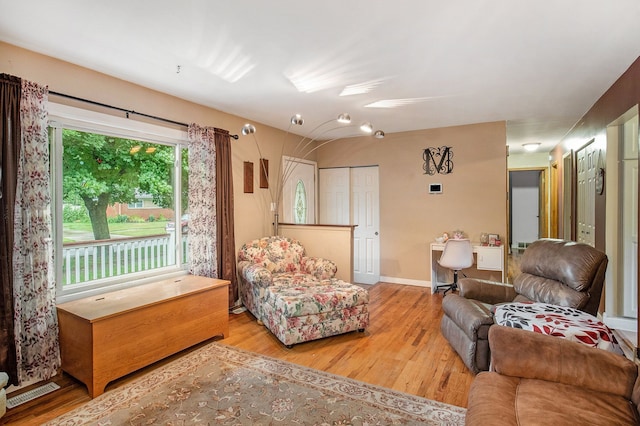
{"points": [[530, 147], [378, 134]]}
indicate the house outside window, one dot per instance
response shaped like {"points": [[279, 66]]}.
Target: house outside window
{"points": [[117, 185]]}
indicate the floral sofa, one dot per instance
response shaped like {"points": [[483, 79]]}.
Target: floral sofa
{"points": [[295, 296]]}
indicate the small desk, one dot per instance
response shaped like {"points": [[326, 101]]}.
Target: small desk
{"points": [[487, 258]]}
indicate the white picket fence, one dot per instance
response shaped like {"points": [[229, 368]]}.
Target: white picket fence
{"points": [[92, 260]]}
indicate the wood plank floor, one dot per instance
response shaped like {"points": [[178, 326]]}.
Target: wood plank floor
{"points": [[402, 349]]}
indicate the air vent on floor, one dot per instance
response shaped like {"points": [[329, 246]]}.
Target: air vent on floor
{"points": [[14, 401]]}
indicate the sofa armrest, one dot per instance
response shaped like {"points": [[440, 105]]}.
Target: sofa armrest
{"points": [[257, 275], [525, 354], [486, 291], [318, 267]]}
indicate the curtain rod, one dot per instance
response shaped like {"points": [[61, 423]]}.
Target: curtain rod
{"points": [[127, 111]]}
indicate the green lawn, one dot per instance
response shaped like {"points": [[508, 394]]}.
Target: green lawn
{"points": [[127, 229]]}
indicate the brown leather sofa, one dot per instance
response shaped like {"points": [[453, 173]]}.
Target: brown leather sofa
{"points": [[537, 379], [558, 272]]}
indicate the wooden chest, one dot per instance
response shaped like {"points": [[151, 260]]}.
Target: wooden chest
{"points": [[110, 335]]}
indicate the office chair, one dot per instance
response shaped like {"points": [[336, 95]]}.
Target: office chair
{"points": [[457, 255]]}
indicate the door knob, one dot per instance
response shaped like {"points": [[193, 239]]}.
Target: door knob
{"points": [[376, 232]]}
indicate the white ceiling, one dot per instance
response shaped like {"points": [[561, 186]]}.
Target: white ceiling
{"points": [[539, 65]]}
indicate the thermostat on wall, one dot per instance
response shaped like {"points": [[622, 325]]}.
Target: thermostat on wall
{"points": [[435, 188]]}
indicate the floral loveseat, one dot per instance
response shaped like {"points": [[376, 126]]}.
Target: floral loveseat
{"points": [[297, 297]]}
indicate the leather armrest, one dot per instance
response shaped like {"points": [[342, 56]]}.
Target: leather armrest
{"points": [[525, 354], [486, 291], [466, 314]]}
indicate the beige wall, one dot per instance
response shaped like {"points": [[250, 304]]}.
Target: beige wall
{"points": [[253, 219], [474, 197]]}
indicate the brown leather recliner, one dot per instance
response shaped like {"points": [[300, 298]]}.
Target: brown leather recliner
{"points": [[558, 272], [545, 380]]}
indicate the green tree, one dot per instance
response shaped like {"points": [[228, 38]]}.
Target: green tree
{"points": [[102, 170]]}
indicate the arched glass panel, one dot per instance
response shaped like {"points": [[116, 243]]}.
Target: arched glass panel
{"points": [[300, 203]]}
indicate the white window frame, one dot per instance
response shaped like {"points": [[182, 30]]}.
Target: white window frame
{"points": [[67, 117]]}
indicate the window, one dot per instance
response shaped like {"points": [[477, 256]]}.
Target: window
{"points": [[300, 203], [104, 168]]}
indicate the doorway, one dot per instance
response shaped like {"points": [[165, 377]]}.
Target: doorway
{"points": [[350, 196], [527, 207]]}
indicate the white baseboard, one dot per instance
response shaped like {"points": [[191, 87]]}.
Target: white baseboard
{"points": [[620, 323], [405, 281]]}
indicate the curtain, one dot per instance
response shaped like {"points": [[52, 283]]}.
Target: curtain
{"points": [[35, 317], [9, 149], [224, 210], [203, 227]]}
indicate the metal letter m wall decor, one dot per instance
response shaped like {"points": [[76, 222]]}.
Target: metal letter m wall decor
{"points": [[438, 160]]}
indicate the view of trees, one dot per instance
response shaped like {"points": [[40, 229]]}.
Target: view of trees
{"points": [[100, 170]]}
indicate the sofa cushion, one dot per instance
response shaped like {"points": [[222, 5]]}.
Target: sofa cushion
{"points": [[568, 262], [276, 254], [505, 400], [312, 298]]}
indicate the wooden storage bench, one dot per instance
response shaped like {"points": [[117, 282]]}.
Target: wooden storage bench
{"points": [[110, 335]]}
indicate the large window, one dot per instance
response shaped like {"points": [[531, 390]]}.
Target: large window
{"points": [[103, 168]]}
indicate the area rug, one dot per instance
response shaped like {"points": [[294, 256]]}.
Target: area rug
{"points": [[222, 385]]}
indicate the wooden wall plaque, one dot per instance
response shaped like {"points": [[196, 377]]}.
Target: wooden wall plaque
{"points": [[264, 173], [248, 177]]}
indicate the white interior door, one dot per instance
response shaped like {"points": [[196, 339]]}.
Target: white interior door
{"points": [[585, 202], [299, 191], [629, 234], [334, 198], [365, 213]]}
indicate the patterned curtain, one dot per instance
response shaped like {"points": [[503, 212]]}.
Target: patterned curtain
{"points": [[203, 227], [35, 319], [9, 152]]}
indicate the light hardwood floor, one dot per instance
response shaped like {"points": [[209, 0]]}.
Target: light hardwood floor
{"points": [[402, 349]]}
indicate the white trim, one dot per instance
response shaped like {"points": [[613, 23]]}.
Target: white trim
{"points": [[64, 116], [79, 294], [620, 323], [117, 126], [406, 281]]}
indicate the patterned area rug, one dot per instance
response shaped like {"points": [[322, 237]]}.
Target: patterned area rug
{"points": [[218, 384]]}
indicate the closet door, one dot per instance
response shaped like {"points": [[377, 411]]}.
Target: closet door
{"points": [[585, 201]]}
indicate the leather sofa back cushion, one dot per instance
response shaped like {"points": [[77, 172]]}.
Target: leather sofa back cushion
{"points": [[574, 265], [538, 289]]}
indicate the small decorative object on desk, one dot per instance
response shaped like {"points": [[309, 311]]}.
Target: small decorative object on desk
{"points": [[458, 235], [484, 239], [445, 237]]}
